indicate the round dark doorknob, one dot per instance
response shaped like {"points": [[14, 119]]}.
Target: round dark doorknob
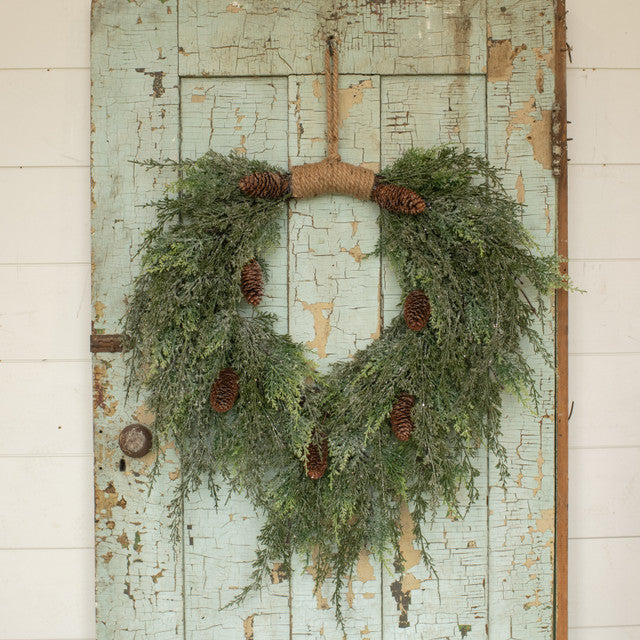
{"points": [[135, 440]]}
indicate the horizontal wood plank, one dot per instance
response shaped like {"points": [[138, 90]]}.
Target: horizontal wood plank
{"points": [[604, 37], [603, 582], [604, 490], [45, 408], [47, 593], [45, 215], [609, 416], [45, 312], [448, 36], [606, 317], [605, 633], [49, 118], [58, 514], [604, 116], [605, 224], [44, 33]]}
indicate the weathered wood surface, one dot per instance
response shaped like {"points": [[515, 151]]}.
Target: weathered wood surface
{"points": [[252, 37], [520, 97], [166, 84], [134, 117]]}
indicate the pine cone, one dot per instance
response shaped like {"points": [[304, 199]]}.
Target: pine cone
{"points": [[400, 416], [224, 391], [251, 282], [417, 310], [397, 199], [317, 457], [265, 184]]}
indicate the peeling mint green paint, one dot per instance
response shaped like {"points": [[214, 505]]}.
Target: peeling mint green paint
{"points": [[173, 80]]}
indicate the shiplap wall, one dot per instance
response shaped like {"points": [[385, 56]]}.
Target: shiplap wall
{"points": [[604, 329], [46, 488]]}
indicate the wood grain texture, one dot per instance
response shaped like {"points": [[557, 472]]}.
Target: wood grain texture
{"points": [[412, 75], [520, 99], [252, 38], [560, 161], [333, 285], [427, 111], [134, 117], [334, 298], [248, 116]]}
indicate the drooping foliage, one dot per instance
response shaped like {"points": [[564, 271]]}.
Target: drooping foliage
{"points": [[487, 286]]}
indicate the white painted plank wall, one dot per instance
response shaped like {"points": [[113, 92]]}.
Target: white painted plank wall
{"points": [[604, 325], [46, 496], [46, 448]]}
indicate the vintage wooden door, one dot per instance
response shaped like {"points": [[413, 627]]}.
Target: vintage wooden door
{"points": [[173, 78]]}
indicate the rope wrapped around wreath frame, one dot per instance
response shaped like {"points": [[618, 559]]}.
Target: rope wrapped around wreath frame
{"points": [[332, 175]]}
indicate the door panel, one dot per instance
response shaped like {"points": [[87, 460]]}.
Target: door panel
{"points": [[175, 78], [245, 38], [520, 100]]}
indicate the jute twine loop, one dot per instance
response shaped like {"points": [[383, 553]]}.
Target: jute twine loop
{"points": [[331, 175], [331, 83]]}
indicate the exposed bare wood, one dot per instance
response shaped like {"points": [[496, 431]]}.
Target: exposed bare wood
{"points": [[562, 331]]}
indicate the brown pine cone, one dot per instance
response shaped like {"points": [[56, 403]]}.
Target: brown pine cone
{"points": [[417, 310], [251, 282], [224, 391], [397, 199], [265, 184], [400, 416], [317, 457]]}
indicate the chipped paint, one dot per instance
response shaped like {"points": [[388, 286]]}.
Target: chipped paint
{"points": [[351, 96], [540, 80], [317, 88], [364, 568], [123, 540], [106, 499], [102, 399], [520, 193], [278, 574], [234, 7], [386, 38], [410, 554], [546, 521], [403, 600], [501, 54], [355, 252], [144, 415], [247, 627], [321, 325], [99, 308], [540, 139], [540, 476]]}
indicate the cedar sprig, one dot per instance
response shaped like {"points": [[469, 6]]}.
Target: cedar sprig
{"points": [[469, 252]]}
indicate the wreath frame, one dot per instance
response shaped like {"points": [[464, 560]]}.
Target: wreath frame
{"points": [[187, 321]]}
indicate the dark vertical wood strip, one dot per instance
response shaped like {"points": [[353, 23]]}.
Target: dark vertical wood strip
{"points": [[562, 332]]}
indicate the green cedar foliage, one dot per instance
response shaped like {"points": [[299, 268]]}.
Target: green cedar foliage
{"points": [[488, 287]]}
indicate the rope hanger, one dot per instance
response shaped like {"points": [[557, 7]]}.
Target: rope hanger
{"points": [[331, 175]]}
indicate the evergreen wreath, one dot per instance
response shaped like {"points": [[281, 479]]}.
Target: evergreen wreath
{"points": [[330, 459]]}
